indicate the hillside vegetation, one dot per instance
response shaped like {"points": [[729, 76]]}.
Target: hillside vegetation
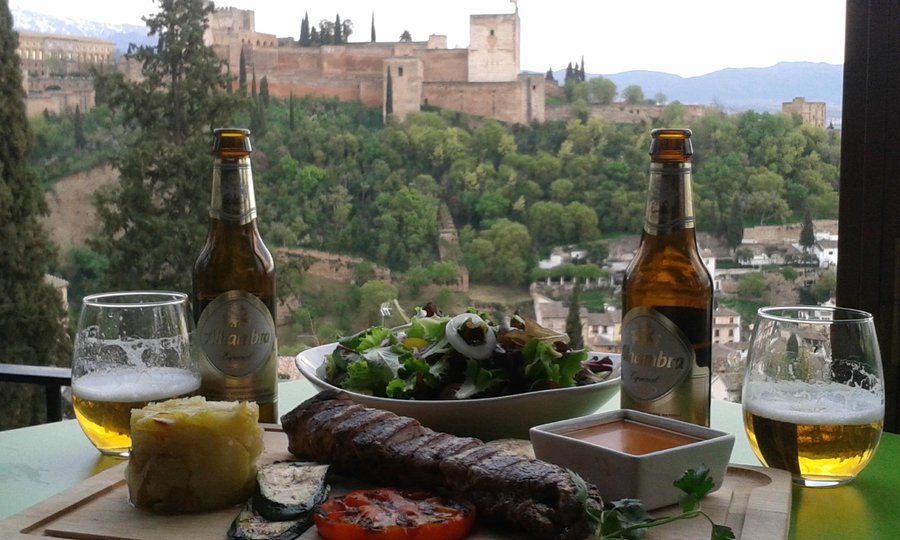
{"points": [[330, 176]]}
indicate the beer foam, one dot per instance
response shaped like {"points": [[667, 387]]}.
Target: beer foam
{"points": [[814, 404], [133, 385]]}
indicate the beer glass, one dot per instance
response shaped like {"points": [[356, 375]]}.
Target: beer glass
{"points": [[813, 395], [131, 348]]}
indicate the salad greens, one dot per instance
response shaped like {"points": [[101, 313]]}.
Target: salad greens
{"points": [[466, 356]]}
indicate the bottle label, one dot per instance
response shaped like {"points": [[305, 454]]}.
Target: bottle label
{"points": [[236, 334], [669, 199], [233, 200], [656, 355]]}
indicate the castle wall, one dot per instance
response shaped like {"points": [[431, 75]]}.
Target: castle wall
{"points": [[446, 64], [482, 80], [518, 101], [493, 48]]}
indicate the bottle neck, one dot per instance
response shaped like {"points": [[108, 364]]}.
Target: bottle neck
{"points": [[670, 206], [233, 201]]}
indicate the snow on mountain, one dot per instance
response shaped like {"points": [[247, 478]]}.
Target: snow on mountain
{"points": [[120, 34]]}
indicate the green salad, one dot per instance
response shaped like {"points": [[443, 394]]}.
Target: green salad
{"points": [[465, 356]]}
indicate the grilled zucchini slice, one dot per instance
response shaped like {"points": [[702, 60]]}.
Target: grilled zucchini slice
{"points": [[248, 525], [287, 490]]}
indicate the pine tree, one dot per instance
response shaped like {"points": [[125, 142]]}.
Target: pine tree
{"points": [[152, 224], [573, 319], [32, 328], [304, 31], [549, 76]]}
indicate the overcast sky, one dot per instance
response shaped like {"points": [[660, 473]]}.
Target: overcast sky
{"points": [[686, 37]]}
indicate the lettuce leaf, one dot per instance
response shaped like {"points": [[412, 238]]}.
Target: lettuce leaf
{"points": [[544, 363]]}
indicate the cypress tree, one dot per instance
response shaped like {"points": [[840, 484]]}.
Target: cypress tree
{"points": [[807, 233], [304, 31], [242, 74], [573, 319], [291, 121], [338, 34], [78, 129], [253, 85], [32, 319], [389, 95], [264, 91], [373, 27]]}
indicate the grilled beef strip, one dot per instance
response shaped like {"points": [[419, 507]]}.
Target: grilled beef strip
{"points": [[510, 490]]}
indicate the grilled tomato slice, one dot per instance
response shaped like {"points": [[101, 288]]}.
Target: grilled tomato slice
{"points": [[389, 514]]}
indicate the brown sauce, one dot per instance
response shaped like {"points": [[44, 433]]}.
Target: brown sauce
{"points": [[631, 437]]}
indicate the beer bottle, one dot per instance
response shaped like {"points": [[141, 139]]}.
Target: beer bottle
{"points": [[667, 296], [234, 287]]}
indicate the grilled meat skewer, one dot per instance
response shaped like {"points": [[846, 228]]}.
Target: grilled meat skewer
{"points": [[530, 495]]}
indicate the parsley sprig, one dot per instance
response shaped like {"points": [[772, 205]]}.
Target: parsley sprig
{"points": [[627, 518]]}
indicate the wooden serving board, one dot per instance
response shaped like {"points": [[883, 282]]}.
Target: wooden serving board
{"points": [[755, 502]]}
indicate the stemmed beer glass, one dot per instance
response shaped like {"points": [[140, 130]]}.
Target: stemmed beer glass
{"points": [[813, 395], [131, 348]]}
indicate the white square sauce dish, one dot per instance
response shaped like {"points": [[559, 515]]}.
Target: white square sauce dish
{"points": [[633, 455]]}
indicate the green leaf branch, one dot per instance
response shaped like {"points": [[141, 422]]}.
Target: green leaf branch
{"points": [[627, 518]]}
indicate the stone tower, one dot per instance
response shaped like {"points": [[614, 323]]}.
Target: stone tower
{"points": [[407, 76], [494, 47]]}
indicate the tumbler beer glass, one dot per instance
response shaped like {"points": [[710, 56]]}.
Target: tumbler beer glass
{"points": [[813, 394], [131, 348]]}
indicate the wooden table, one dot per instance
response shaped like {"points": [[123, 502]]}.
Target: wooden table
{"points": [[40, 461]]}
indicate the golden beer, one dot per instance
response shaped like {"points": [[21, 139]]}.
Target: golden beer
{"points": [[788, 431], [103, 401]]}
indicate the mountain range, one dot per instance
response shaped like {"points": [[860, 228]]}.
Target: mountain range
{"points": [[732, 89]]}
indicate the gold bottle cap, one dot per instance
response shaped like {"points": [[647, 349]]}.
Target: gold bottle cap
{"points": [[671, 144], [231, 142]]}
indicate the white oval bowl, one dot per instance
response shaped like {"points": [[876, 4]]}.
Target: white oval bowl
{"points": [[484, 418]]}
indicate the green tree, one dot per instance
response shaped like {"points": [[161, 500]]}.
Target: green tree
{"points": [[78, 129], [734, 224], [152, 224], [372, 37], [824, 287], [32, 330], [752, 287], [573, 320], [371, 295], [633, 94], [601, 90], [807, 233], [304, 31], [338, 30], [264, 92], [501, 254], [242, 74], [405, 37], [389, 95]]}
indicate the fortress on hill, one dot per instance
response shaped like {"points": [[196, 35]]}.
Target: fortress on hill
{"points": [[482, 80]]}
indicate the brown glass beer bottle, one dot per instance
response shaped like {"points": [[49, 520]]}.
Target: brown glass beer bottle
{"points": [[234, 287], [667, 296]]}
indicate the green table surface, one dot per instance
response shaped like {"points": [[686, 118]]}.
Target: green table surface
{"points": [[40, 461]]}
